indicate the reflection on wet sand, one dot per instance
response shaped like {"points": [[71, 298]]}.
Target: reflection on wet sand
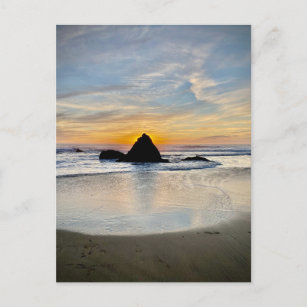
{"points": [[150, 202]]}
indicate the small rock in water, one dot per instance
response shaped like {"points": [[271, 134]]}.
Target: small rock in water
{"points": [[196, 158], [111, 154]]}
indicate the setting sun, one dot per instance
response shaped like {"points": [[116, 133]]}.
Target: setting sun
{"points": [[182, 85]]}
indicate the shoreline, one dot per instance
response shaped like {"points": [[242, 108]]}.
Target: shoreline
{"points": [[218, 166], [221, 253]]}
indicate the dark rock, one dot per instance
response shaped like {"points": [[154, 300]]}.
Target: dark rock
{"points": [[111, 154], [78, 150], [196, 158], [143, 150]]}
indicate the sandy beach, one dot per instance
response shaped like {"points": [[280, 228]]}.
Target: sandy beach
{"points": [[217, 254]]}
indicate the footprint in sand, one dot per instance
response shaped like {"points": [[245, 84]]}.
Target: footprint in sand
{"points": [[212, 232], [89, 248], [163, 262]]}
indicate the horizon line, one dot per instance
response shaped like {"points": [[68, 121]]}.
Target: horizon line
{"points": [[190, 144]]}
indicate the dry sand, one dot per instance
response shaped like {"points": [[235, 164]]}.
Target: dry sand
{"points": [[217, 254]]}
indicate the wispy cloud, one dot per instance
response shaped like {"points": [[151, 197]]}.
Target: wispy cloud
{"points": [[182, 83], [97, 90]]}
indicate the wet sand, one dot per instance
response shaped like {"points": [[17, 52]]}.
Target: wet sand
{"points": [[217, 254]]}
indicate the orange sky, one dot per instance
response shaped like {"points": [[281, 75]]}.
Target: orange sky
{"points": [[179, 84]]}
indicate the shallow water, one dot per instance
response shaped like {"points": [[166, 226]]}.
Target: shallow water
{"points": [[144, 202], [70, 162]]}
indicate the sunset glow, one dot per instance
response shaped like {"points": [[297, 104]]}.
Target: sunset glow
{"points": [[179, 84]]}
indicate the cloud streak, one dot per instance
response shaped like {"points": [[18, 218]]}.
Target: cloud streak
{"points": [[94, 91], [183, 84]]}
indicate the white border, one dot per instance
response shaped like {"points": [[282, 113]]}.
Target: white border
{"points": [[27, 155]]}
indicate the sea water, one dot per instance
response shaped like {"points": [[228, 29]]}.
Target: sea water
{"points": [[70, 162], [109, 197]]}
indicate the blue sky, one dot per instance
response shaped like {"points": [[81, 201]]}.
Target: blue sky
{"points": [[180, 84]]}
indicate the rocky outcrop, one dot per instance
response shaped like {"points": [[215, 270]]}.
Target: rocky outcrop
{"points": [[111, 154], [196, 158], [143, 150], [78, 150]]}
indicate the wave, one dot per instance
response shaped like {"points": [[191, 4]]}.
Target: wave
{"points": [[72, 163], [146, 167], [208, 153]]}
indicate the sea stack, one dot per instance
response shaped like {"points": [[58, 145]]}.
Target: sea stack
{"points": [[143, 150]]}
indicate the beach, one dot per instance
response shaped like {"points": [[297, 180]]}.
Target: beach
{"points": [[172, 222], [217, 254]]}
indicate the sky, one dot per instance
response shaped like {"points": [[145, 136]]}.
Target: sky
{"points": [[179, 84]]}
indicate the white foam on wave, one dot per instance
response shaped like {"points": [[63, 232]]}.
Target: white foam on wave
{"points": [[74, 163]]}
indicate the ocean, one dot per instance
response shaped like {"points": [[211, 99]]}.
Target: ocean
{"points": [[122, 198], [87, 162]]}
